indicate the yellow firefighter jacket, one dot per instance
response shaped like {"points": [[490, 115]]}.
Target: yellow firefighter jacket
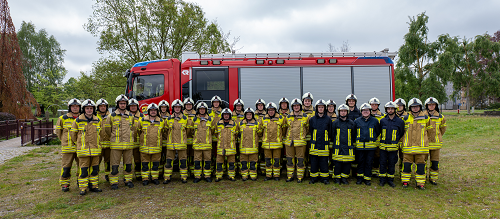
{"points": [[310, 113], [150, 134], [250, 131], [165, 134], [177, 132], [272, 131], [437, 131], [416, 137], [120, 129], [227, 134], [297, 128], [63, 127], [137, 117], [190, 114], [85, 133], [215, 114], [203, 129], [104, 136]]}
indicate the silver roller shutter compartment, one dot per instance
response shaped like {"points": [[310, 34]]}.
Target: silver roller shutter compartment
{"points": [[372, 82], [327, 83], [270, 84]]}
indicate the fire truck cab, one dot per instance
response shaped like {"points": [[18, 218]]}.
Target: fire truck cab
{"points": [[269, 76]]}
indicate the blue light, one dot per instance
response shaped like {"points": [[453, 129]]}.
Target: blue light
{"points": [[140, 64], [387, 59]]}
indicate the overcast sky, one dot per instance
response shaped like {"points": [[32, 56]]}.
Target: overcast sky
{"points": [[279, 25]]}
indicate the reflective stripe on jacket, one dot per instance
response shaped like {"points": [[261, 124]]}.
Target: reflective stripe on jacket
{"points": [[203, 129], [120, 129], [249, 133], [438, 123], [343, 138], [367, 131], [215, 114], [272, 131], [63, 128], [177, 132], [297, 129], [104, 136], [227, 137], [415, 139], [320, 139], [150, 134], [392, 131], [191, 114], [86, 133]]}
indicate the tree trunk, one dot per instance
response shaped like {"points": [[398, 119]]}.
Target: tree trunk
{"points": [[467, 104]]}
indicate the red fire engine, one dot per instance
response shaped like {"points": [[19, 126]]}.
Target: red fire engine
{"points": [[269, 76]]}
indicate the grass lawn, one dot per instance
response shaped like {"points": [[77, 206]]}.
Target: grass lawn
{"points": [[469, 187]]}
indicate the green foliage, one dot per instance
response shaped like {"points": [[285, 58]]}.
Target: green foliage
{"points": [[416, 75]]}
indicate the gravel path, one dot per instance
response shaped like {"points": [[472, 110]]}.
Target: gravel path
{"points": [[12, 148]]}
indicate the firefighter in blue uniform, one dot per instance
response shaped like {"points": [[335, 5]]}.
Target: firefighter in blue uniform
{"points": [[343, 137], [319, 125], [392, 131]]}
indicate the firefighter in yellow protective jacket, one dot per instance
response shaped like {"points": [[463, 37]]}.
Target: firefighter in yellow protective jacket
{"points": [[202, 143], [119, 126], [260, 113], [190, 113], [133, 107], [272, 140], [436, 133], [103, 113], [415, 143], [401, 112], [164, 113], [284, 107], [150, 130], [295, 141], [375, 112], [249, 129], [307, 107], [227, 131], [331, 106], [68, 148], [214, 112], [178, 125], [85, 133]]}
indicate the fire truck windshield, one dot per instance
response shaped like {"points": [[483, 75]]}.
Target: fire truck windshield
{"points": [[148, 86]]}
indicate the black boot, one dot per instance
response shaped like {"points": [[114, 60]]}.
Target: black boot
{"points": [[106, 177], [138, 178], [433, 182], [359, 181], [405, 185], [299, 180], [267, 178], [208, 179], [217, 179], [254, 179], [83, 192], [145, 182], [368, 182], [95, 190], [313, 180], [184, 180], [382, 181], [130, 184], [289, 179], [196, 180], [167, 181], [244, 179], [276, 179], [65, 188], [390, 182], [326, 181], [114, 187], [336, 181], [344, 181]]}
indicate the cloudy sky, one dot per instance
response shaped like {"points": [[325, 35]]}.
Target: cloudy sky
{"points": [[279, 25]]}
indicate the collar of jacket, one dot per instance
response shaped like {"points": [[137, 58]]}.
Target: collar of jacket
{"points": [[421, 115], [376, 112], [331, 114], [82, 117], [231, 122], [107, 113], [147, 118], [258, 112], [204, 116], [166, 115], [235, 113], [310, 108], [284, 111], [117, 112], [278, 116], [189, 112], [246, 121], [301, 114], [217, 110], [70, 115]]}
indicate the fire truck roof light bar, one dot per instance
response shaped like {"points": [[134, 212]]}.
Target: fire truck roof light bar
{"points": [[140, 64], [320, 61], [216, 62], [280, 61], [300, 55], [332, 61], [259, 62], [204, 62]]}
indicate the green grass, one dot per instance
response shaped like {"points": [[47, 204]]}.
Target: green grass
{"points": [[468, 187]]}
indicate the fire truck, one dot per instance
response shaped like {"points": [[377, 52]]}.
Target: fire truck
{"points": [[270, 76]]}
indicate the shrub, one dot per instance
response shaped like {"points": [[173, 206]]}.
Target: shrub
{"points": [[494, 106], [6, 116]]}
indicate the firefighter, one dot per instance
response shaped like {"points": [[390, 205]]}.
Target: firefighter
{"points": [[250, 129], [351, 100], [164, 113], [330, 112], [295, 143], [150, 132], [133, 107], [202, 143], [260, 113], [190, 113], [438, 123], [284, 107], [401, 112], [415, 143], [68, 148], [85, 134], [103, 113], [368, 130], [307, 100], [238, 107], [227, 131], [344, 137], [214, 113], [119, 126], [392, 131], [178, 125], [319, 125], [272, 131], [375, 111], [260, 105]]}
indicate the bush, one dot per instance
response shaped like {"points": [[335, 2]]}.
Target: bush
{"points": [[6, 116], [494, 106], [54, 141]]}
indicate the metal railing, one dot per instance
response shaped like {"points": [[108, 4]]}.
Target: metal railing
{"points": [[37, 132]]}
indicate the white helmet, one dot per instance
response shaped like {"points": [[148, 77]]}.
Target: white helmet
{"points": [[121, 97], [239, 102], [390, 104], [216, 98], [133, 101], [101, 102], [400, 101], [365, 106], [188, 101], [374, 101], [201, 105], [74, 101], [351, 97], [415, 102], [307, 95], [343, 107], [320, 102], [152, 106], [164, 103], [249, 110], [177, 102], [88, 102], [226, 110], [296, 101], [260, 101], [431, 100], [331, 102], [284, 100], [271, 105]]}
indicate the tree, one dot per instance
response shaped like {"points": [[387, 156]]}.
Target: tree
{"points": [[416, 74], [344, 48], [42, 56], [139, 30], [14, 97]]}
